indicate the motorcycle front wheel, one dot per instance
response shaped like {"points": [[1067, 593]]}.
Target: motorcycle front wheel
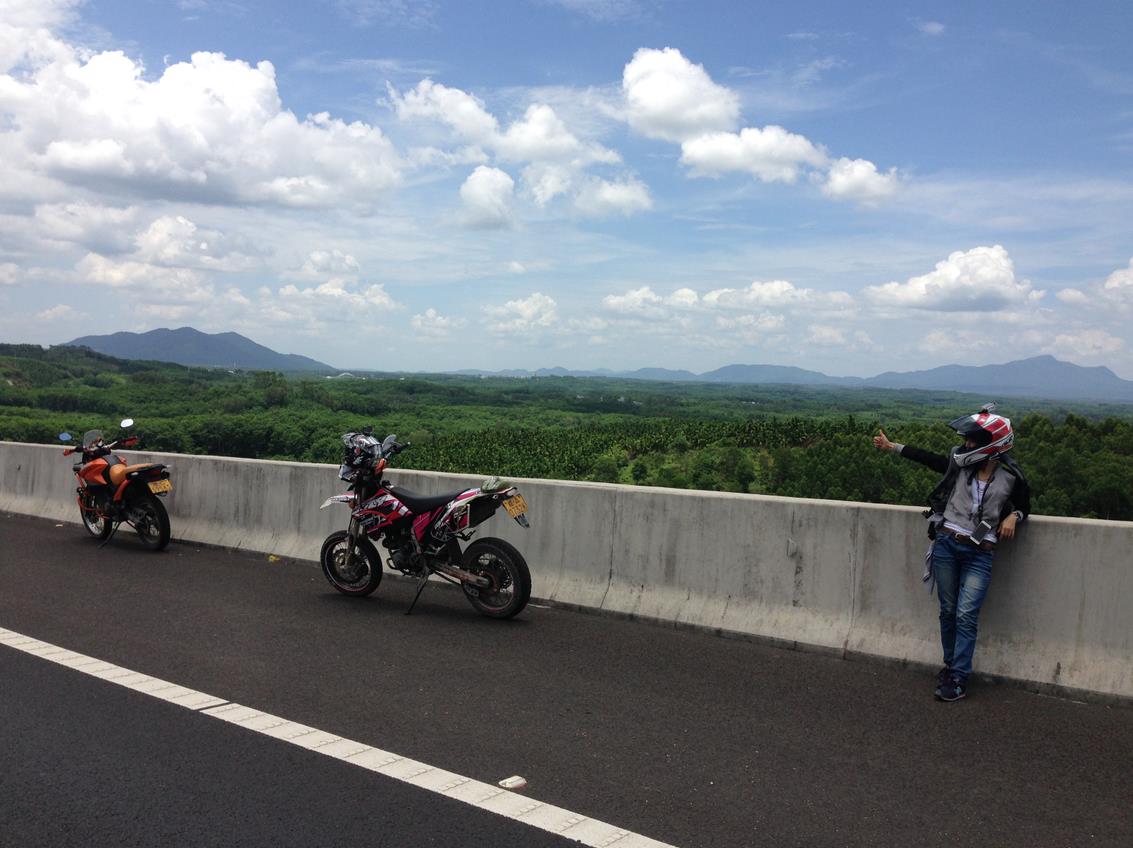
{"points": [[95, 524], [501, 563], [357, 576], [150, 521]]}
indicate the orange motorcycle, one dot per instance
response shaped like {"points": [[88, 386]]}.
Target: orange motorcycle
{"points": [[111, 492]]}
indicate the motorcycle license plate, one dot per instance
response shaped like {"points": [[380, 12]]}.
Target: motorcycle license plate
{"points": [[159, 486], [515, 505]]}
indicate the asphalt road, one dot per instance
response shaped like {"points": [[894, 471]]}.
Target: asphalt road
{"points": [[684, 737]]}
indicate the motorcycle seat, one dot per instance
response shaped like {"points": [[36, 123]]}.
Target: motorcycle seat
{"points": [[118, 473], [422, 503]]}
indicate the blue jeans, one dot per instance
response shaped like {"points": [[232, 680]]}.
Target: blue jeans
{"points": [[963, 573]]}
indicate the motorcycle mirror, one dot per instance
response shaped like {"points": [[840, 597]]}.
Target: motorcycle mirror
{"points": [[127, 422], [65, 437], [390, 441]]}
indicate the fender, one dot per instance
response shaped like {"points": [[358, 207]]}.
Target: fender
{"points": [[342, 499]]}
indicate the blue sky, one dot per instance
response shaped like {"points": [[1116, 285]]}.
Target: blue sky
{"points": [[851, 188]]}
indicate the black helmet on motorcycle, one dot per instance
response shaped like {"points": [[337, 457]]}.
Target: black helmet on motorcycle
{"points": [[990, 434]]}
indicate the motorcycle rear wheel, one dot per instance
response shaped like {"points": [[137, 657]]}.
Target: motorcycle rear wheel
{"points": [[150, 521], [359, 578], [95, 524], [501, 563]]}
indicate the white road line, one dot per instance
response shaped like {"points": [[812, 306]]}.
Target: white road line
{"points": [[485, 796]]}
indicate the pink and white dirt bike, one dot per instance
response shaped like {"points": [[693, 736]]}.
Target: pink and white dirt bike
{"points": [[422, 533]]}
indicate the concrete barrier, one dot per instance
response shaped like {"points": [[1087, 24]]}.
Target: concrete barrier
{"points": [[833, 575]]}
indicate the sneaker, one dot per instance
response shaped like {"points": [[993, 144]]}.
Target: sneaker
{"points": [[952, 690], [942, 677]]}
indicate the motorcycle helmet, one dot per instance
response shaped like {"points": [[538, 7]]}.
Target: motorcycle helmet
{"points": [[990, 434]]}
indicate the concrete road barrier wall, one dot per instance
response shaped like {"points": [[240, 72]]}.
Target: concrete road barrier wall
{"points": [[834, 575]]}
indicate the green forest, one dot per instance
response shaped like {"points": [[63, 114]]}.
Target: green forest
{"points": [[811, 442]]}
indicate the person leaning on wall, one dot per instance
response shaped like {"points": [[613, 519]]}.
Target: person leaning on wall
{"points": [[977, 504]]}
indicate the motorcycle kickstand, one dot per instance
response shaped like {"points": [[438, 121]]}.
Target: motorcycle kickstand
{"points": [[421, 583], [113, 530]]}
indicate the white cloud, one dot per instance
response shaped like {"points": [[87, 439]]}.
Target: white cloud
{"points": [[545, 182], [487, 197], [982, 278], [772, 154], [1074, 297], [523, 315], [146, 278], [1121, 280], [1086, 344], [670, 98], [434, 325], [931, 27], [859, 180], [330, 303], [542, 136], [210, 129], [826, 335], [174, 240], [601, 197], [103, 229], [62, 310], [463, 112], [321, 263], [776, 294]]}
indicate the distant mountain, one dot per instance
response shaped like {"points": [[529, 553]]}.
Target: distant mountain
{"points": [[1037, 377], [187, 346]]}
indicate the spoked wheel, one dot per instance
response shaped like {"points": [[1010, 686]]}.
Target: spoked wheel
{"points": [[150, 521], [96, 525], [501, 563], [356, 575]]}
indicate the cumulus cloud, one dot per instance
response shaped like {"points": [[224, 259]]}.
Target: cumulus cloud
{"points": [[487, 197], [670, 98], [103, 229], [321, 263], [982, 278], [772, 154], [1121, 280], [211, 129], [599, 198], [434, 325], [464, 112], [329, 303], [556, 158], [175, 240], [523, 315], [54, 313], [1086, 344], [859, 180], [775, 294], [1074, 297]]}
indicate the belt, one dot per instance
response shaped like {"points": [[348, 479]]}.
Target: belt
{"points": [[967, 540]]}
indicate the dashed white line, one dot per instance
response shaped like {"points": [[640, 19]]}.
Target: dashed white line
{"points": [[484, 796]]}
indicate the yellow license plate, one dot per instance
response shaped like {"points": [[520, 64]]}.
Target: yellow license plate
{"points": [[515, 505], [159, 486]]}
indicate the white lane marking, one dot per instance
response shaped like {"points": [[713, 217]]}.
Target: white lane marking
{"points": [[484, 796]]}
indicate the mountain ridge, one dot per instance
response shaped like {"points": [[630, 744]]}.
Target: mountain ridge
{"points": [[189, 346], [1038, 376]]}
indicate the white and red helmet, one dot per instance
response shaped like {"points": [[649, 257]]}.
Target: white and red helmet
{"points": [[992, 435]]}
